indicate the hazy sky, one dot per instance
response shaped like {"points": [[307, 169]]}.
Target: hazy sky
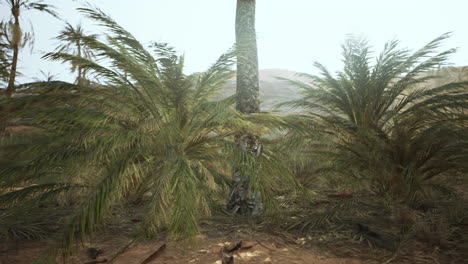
{"points": [[291, 34]]}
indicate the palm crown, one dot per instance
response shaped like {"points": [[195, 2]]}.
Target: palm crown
{"points": [[71, 38], [146, 129], [385, 122]]}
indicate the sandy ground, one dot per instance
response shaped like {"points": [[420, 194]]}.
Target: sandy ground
{"points": [[207, 249]]}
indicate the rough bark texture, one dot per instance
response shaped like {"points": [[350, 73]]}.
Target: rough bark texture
{"points": [[247, 60], [241, 199]]}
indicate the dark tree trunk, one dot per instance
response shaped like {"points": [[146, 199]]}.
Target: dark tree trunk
{"points": [[11, 82], [16, 41], [3, 120], [241, 199], [80, 74]]}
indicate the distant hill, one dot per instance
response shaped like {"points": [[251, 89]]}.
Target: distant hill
{"points": [[274, 91]]}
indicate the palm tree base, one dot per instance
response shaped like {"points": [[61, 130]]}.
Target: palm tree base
{"points": [[242, 200]]}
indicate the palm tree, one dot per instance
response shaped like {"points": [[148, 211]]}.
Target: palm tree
{"points": [[16, 38], [5, 57], [5, 63], [241, 199], [71, 39], [153, 134], [383, 124]]}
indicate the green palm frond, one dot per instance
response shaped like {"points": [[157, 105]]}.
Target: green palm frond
{"points": [[385, 121], [36, 193], [71, 41], [5, 54], [145, 128], [32, 5]]}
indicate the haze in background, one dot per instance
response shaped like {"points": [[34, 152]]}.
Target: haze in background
{"points": [[291, 34]]}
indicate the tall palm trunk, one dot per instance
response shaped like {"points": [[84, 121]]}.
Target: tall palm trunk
{"points": [[15, 45], [11, 82], [241, 199], [15, 42], [247, 60], [80, 77]]}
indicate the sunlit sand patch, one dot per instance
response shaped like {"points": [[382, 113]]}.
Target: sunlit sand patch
{"points": [[249, 254]]}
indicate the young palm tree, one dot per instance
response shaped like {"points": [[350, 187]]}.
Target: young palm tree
{"points": [[5, 58], [5, 63], [154, 133], [16, 38], [241, 199], [384, 123], [71, 39]]}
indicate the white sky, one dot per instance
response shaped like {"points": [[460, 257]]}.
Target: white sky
{"points": [[291, 34]]}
